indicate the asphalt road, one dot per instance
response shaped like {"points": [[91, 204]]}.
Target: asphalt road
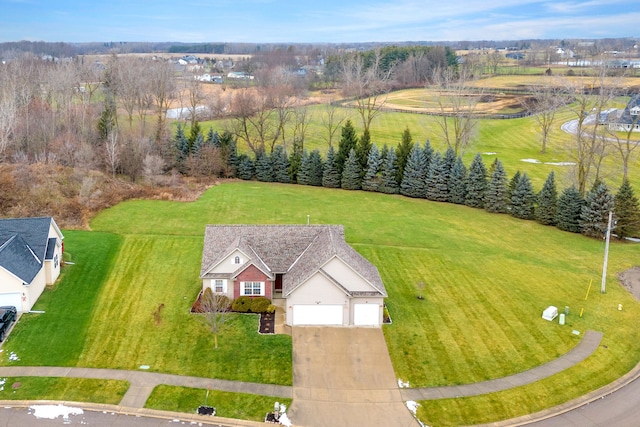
{"points": [[619, 409], [24, 417]]}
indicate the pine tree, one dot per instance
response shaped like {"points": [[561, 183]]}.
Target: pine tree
{"points": [[627, 212], [304, 174], [348, 141], [476, 183], [264, 167], [193, 134], [495, 199], [280, 164], [458, 182], [594, 216], [546, 211], [233, 162], [383, 154], [316, 170], [295, 160], [414, 178], [351, 174], [449, 161], [330, 174], [389, 183], [513, 183], [568, 211], [523, 198], [213, 139], [403, 152], [246, 169], [363, 149], [371, 180], [198, 144], [428, 152], [437, 177], [181, 143]]}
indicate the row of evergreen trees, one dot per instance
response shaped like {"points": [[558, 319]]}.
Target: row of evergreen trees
{"points": [[421, 172]]}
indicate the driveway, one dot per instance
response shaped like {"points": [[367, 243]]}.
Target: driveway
{"points": [[344, 377]]}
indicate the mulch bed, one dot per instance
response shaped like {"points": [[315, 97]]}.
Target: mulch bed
{"points": [[267, 323]]}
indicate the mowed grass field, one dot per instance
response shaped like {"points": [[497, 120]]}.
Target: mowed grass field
{"points": [[488, 277]]}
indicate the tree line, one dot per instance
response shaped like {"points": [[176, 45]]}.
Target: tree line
{"points": [[419, 171]]}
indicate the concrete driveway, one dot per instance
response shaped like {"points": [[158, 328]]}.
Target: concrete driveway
{"points": [[344, 377]]}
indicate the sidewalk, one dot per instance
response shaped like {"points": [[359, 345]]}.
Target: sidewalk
{"points": [[142, 384], [589, 343]]}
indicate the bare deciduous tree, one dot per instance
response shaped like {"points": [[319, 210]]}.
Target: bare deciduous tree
{"points": [[215, 307], [545, 101], [332, 120], [457, 103], [626, 145], [112, 152], [367, 84], [590, 97], [162, 88]]}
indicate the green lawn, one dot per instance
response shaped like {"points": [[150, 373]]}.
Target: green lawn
{"points": [[488, 277], [229, 405], [71, 389]]}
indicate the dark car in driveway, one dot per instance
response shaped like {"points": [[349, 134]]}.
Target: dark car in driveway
{"points": [[8, 315]]}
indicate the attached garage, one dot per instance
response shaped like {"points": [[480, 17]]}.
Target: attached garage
{"points": [[366, 315], [317, 314], [14, 299]]}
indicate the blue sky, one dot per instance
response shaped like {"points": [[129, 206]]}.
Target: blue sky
{"points": [[272, 21]]}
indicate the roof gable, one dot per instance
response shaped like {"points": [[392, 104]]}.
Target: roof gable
{"points": [[18, 259]]}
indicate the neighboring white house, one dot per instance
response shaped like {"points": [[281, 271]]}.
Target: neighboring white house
{"points": [[323, 280], [30, 256], [629, 119]]}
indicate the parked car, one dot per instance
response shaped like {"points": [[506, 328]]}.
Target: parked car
{"points": [[8, 315]]}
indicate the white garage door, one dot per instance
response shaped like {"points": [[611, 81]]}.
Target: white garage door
{"points": [[366, 314], [14, 299], [317, 314]]}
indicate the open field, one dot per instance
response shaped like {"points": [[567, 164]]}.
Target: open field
{"points": [[512, 141], [488, 277]]}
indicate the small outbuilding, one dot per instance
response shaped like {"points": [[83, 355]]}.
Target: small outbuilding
{"points": [[550, 313]]}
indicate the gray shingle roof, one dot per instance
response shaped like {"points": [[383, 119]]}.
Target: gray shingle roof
{"points": [[297, 250], [626, 117], [17, 258], [23, 245]]}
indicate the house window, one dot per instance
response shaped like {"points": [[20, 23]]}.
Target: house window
{"points": [[252, 288], [219, 286], [237, 260]]}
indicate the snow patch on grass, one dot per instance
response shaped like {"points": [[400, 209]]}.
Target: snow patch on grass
{"points": [[403, 384], [538, 162]]}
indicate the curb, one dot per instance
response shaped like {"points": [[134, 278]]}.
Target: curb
{"points": [[572, 405], [138, 412]]}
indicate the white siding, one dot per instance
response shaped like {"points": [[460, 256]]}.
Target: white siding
{"points": [[348, 278]]}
